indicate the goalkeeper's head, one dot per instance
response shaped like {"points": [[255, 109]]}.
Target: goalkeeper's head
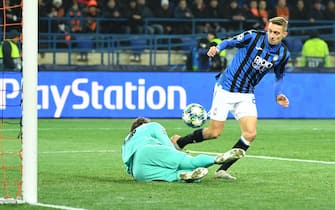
{"points": [[138, 122]]}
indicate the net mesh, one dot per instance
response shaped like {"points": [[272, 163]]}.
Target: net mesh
{"points": [[10, 112]]}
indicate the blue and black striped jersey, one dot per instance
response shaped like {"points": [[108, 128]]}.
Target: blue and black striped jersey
{"points": [[254, 58]]}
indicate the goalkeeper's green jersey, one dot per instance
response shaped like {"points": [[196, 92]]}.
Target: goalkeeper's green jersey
{"points": [[148, 133]]}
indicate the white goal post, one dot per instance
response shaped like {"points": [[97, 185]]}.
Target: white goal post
{"points": [[29, 112]]}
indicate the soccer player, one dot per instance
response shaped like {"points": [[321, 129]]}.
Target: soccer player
{"points": [[149, 155], [258, 53]]}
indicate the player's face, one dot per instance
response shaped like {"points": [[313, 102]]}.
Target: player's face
{"points": [[276, 33]]}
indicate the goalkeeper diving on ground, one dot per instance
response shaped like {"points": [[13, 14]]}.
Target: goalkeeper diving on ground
{"points": [[149, 155]]}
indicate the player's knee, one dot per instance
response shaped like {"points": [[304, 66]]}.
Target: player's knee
{"points": [[249, 136]]}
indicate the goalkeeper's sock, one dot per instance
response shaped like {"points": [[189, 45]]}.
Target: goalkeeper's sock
{"points": [[194, 137], [242, 144]]}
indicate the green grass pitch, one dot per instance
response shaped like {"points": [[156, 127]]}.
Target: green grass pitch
{"points": [[80, 166]]}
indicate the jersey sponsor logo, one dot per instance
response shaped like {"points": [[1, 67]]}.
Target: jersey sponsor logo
{"points": [[259, 48], [260, 63]]}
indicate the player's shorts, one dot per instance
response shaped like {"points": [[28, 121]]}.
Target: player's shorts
{"points": [[239, 104]]}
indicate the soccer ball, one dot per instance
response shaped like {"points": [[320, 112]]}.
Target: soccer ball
{"points": [[194, 115]]}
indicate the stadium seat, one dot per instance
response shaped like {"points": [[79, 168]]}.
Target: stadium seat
{"points": [[84, 42], [138, 45], [188, 43], [294, 44]]}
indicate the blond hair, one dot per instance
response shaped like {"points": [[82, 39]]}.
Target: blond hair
{"points": [[279, 21]]}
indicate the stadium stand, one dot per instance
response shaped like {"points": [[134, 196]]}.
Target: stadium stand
{"points": [[114, 49]]}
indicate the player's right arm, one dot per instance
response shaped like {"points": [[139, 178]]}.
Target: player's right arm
{"points": [[236, 41]]}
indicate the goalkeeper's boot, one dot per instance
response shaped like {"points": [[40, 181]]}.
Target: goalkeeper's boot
{"points": [[174, 140], [233, 154], [222, 174], [193, 176]]}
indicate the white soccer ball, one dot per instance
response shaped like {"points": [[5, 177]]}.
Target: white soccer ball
{"points": [[194, 115]]}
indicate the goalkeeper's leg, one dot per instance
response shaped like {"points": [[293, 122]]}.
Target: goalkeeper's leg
{"points": [[164, 163]]}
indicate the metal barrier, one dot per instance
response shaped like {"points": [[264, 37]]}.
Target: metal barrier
{"points": [[115, 44]]}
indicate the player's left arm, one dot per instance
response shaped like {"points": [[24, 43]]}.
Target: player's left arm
{"points": [[281, 99]]}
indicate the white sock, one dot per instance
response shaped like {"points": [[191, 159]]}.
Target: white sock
{"points": [[245, 141]]}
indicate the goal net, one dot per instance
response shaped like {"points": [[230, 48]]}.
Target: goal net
{"points": [[10, 107], [18, 105]]}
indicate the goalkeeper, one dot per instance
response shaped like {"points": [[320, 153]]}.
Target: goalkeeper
{"points": [[149, 155]]}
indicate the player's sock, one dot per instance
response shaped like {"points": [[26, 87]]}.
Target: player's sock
{"points": [[194, 137], [242, 144]]}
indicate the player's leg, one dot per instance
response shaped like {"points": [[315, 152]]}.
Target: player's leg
{"points": [[213, 131], [248, 129], [246, 114], [164, 163], [200, 163], [202, 160], [156, 163]]}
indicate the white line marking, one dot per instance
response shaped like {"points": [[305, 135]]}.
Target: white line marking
{"points": [[55, 206], [292, 159], [269, 158], [78, 151], [196, 152], [69, 128], [48, 129], [83, 128]]}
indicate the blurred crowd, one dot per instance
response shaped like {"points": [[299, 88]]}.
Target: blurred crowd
{"points": [[73, 17], [10, 15], [135, 11]]}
